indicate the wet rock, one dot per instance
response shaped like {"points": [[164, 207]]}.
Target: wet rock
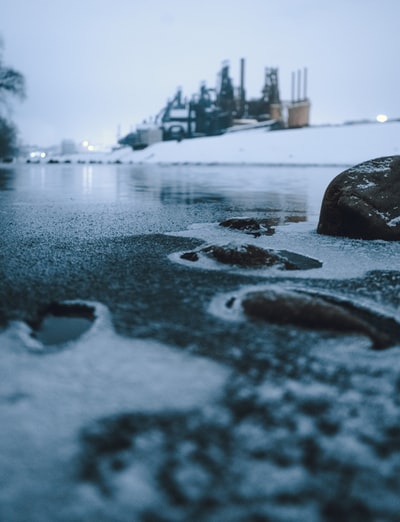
{"points": [[190, 256], [251, 256], [243, 255], [298, 261], [256, 227], [364, 201], [282, 306]]}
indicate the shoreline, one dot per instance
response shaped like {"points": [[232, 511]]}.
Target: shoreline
{"points": [[332, 145]]}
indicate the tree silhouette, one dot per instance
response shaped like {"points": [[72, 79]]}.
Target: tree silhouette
{"points": [[12, 83], [8, 138]]}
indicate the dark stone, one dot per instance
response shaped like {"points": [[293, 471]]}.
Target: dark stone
{"points": [[363, 202], [244, 255], [190, 256], [251, 256], [282, 306], [253, 226], [298, 261]]}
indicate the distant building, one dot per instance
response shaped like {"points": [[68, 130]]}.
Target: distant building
{"points": [[217, 110], [68, 147]]}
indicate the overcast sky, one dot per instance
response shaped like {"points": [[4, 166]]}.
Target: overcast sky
{"points": [[95, 65]]}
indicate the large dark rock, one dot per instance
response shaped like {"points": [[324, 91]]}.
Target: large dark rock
{"points": [[364, 202]]}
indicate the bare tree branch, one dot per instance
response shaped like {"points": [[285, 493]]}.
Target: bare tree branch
{"points": [[12, 82]]}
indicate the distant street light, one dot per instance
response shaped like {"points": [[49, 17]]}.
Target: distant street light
{"points": [[381, 118]]}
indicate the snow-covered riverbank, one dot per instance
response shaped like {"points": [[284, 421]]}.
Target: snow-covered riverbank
{"points": [[316, 145]]}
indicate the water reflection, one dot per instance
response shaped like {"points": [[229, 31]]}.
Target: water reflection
{"points": [[7, 179], [296, 192], [87, 179]]}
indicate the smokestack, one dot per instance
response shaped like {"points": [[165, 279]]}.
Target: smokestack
{"points": [[298, 84], [293, 85], [305, 84], [242, 79]]}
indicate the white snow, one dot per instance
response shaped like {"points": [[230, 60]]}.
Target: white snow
{"points": [[366, 184], [47, 399], [326, 145], [143, 375], [384, 166], [340, 257], [315, 145]]}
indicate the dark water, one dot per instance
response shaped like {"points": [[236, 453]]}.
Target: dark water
{"points": [[58, 330], [112, 198], [276, 188], [170, 185]]}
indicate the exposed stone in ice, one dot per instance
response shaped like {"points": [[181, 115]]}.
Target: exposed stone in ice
{"points": [[362, 202]]}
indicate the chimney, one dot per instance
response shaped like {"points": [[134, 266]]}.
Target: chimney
{"points": [[305, 84], [298, 84]]}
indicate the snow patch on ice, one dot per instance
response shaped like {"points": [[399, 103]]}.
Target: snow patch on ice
{"points": [[142, 374], [100, 374], [341, 257]]}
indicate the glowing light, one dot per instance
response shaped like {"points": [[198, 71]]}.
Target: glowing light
{"points": [[381, 118], [37, 154], [85, 143], [90, 147]]}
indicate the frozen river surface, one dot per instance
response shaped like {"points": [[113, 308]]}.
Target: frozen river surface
{"points": [[130, 391]]}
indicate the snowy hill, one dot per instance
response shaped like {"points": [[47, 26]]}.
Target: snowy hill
{"points": [[324, 145]]}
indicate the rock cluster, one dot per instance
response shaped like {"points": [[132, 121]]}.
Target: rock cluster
{"points": [[252, 256]]}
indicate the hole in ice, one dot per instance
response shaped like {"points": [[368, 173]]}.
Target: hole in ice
{"points": [[63, 322]]}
